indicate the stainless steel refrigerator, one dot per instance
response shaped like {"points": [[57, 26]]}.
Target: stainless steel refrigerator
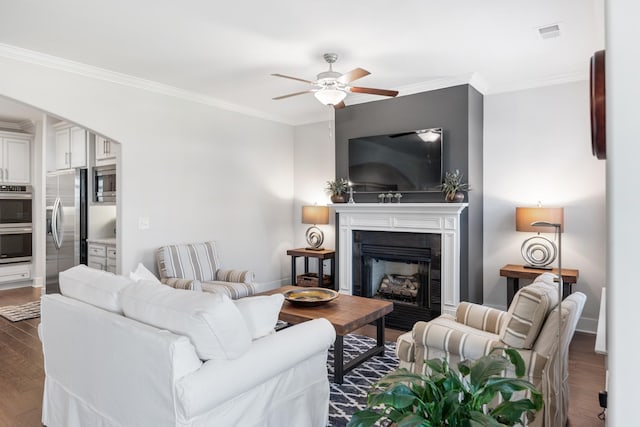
{"points": [[66, 223]]}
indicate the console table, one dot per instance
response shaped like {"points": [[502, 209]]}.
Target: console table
{"points": [[514, 273], [321, 255]]}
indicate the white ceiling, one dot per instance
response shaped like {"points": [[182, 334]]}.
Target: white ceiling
{"points": [[226, 51]]}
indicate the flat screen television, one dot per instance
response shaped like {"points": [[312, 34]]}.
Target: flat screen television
{"points": [[405, 162]]}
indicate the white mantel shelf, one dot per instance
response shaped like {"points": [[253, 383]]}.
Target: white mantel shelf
{"points": [[440, 218]]}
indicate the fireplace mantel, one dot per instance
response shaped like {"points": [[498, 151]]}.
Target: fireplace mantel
{"points": [[440, 218]]}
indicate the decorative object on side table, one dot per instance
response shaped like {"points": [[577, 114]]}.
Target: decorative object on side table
{"points": [[337, 189], [448, 397], [538, 251], [453, 187], [315, 215]]}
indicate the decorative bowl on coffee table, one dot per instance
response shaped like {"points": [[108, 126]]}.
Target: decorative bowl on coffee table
{"points": [[309, 297]]}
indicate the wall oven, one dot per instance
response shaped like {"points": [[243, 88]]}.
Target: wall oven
{"points": [[15, 223]]}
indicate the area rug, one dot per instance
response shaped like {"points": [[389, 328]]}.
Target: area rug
{"points": [[15, 313], [351, 395]]}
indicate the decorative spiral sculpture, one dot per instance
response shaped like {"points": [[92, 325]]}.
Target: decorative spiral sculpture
{"points": [[539, 251], [315, 237]]}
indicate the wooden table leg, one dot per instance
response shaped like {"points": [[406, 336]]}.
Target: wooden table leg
{"points": [[293, 270], [338, 361], [513, 284], [320, 272], [380, 334]]}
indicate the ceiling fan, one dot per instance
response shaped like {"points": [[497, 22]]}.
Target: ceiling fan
{"points": [[331, 87]]}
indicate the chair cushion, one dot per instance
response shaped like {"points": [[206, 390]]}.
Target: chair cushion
{"points": [[190, 261], [212, 322], [231, 289], [528, 311], [95, 287], [260, 313]]}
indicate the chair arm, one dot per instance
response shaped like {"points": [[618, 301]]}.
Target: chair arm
{"points": [[235, 276], [405, 348], [444, 335], [188, 284], [481, 317]]}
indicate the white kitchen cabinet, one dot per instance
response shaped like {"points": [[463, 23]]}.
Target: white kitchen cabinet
{"points": [[102, 256], [105, 152], [71, 147], [15, 158]]}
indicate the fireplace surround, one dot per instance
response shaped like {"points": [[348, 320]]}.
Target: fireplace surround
{"points": [[442, 219]]}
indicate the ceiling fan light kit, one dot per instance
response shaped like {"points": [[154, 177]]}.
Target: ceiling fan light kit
{"points": [[331, 87]]}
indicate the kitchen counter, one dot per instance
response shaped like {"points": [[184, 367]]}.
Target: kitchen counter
{"points": [[103, 240]]}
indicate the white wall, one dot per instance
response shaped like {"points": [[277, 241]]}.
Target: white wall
{"points": [[537, 148], [623, 176], [314, 164], [197, 172]]}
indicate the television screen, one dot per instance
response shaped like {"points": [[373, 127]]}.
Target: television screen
{"points": [[407, 161]]}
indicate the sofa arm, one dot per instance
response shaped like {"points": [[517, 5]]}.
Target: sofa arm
{"points": [[188, 284], [218, 381], [235, 276], [481, 317], [444, 336]]}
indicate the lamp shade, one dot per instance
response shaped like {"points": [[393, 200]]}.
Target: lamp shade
{"points": [[526, 216], [315, 215], [330, 96]]}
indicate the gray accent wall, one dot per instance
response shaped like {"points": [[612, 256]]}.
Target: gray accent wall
{"points": [[458, 111]]}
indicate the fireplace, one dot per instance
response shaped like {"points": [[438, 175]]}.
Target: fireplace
{"points": [[437, 256], [400, 267]]}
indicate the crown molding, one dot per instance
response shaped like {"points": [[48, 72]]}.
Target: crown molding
{"points": [[54, 62], [10, 125], [516, 85]]}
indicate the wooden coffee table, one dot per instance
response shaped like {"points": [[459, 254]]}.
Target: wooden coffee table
{"points": [[346, 313]]}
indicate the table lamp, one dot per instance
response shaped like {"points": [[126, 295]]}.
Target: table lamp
{"points": [[315, 215], [538, 251]]}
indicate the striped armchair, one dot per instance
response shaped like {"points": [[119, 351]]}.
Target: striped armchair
{"points": [[530, 325], [196, 267]]}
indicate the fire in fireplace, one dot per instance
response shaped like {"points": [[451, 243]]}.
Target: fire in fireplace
{"points": [[400, 267]]}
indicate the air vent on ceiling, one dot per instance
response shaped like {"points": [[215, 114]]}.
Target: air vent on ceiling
{"points": [[549, 31]]}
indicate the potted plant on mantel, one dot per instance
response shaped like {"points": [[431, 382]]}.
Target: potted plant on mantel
{"points": [[453, 187], [447, 398], [337, 189]]}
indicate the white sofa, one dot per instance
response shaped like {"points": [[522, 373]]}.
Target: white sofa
{"points": [[104, 368]]}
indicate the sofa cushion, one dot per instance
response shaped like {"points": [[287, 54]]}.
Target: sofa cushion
{"points": [[142, 273], [528, 311], [212, 322], [260, 313], [95, 287]]}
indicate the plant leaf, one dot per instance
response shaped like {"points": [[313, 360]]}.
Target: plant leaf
{"points": [[400, 397], [365, 418], [516, 360], [486, 367]]}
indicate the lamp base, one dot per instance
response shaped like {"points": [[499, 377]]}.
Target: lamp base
{"points": [[310, 248], [535, 267]]}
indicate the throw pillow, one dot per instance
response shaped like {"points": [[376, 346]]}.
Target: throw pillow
{"points": [[212, 322], [95, 287], [260, 313], [528, 311], [141, 273]]}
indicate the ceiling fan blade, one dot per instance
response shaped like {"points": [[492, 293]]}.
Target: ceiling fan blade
{"points": [[355, 74], [372, 91], [292, 78], [292, 94], [339, 105]]}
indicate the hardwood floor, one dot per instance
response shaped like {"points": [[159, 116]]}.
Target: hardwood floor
{"points": [[22, 372]]}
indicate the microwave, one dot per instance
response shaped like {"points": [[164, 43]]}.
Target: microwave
{"points": [[104, 184]]}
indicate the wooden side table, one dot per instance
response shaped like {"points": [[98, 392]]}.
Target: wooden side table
{"points": [[514, 273], [321, 255]]}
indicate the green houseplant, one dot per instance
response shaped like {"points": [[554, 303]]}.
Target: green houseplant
{"points": [[449, 397], [452, 187], [337, 189]]}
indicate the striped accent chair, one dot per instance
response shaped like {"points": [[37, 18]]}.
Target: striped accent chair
{"points": [[530, 325], [196, 267]]}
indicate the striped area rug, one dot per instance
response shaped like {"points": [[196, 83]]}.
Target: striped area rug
{"points": [[15, 313]]}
